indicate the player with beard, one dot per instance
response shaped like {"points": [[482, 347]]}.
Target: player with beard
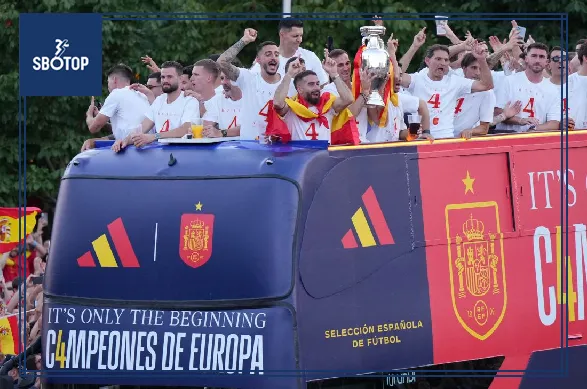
{"points": [[223, 113], [317, 108], [170, 114], [257, 89], [541, 103], [440, 91]]}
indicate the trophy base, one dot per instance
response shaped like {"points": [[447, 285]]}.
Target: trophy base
{"points": [[375, 100]]}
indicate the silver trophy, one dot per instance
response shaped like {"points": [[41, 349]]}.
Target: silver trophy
{"points": [[375, 59]]}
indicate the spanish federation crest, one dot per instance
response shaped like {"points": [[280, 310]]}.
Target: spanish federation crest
{"points": [[477, 268], [195, 245]]}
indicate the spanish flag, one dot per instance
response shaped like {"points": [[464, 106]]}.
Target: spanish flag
{"points": [[299, 106], [9, 220], [10, 342], [388, 93], [344, 129], [9, 237], [275, 125]]}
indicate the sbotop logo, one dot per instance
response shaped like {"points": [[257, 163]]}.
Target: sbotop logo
{"points": [[59, 61]]}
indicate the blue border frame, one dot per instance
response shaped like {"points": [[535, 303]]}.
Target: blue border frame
{"points": [[461, 16]]}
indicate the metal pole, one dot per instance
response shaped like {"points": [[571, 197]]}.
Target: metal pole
{"points": [[286, 8]]}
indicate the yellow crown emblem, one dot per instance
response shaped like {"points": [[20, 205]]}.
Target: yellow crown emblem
{"points": [[197, 224], [473, 229]]}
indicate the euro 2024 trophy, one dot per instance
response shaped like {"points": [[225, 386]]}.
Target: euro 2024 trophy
{"points": [[375, 60]]}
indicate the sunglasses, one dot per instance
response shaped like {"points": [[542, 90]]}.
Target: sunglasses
{"points": [[559, 58]]}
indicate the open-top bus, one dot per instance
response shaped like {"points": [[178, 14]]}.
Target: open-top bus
{"points": [[241, 265]]}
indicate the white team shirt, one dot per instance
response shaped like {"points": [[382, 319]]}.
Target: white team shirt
{"points": [[577, 101], [224, 111], [312, 62], [309, 130], [168, 117], [441, 97], [541, 100], [473, 108], [257, 93], [395, 119], [126, 109], [564, 92]]}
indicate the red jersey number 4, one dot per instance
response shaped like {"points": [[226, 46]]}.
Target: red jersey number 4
{"points": [[311, 132], [435, 100]]}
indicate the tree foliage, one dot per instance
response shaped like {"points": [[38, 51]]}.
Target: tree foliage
{"points": [[55, 126]]}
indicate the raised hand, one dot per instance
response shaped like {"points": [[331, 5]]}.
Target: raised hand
{"points": [[329, 66], [420, 38], [250, 35], [151, 65], [392, 45], [295, 67]]}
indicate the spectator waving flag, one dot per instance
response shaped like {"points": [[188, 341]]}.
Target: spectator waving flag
{"points": [[10, 342], [9, 221]]}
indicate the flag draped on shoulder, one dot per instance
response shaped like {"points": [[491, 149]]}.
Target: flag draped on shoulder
{"points": [[343, 127], [299, 106], [388, 93]]}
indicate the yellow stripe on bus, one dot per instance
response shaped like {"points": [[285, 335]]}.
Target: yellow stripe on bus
{"points": [[104, 252], [362, 228]]}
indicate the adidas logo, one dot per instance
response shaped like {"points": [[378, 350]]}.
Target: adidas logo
{"points": [[104, 251], [362, 227]]}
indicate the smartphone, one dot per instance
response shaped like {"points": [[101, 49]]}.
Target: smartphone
{"points": [[522, 31], [38, 280], [330, 44], [440, 22], [45, 216], [98, 105]]}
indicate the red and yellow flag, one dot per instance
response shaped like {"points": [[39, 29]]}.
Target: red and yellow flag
{"points": [[10, 342], [275, 125], [10, 238], [299, 106], [388, 93], [9, 220], [344, 129]]}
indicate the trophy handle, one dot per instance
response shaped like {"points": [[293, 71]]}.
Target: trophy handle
{"points": [[372, 30]]}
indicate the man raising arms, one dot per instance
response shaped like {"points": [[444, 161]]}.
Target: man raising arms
{"points": [[258, 89], [441, 91], [322, 105]]}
